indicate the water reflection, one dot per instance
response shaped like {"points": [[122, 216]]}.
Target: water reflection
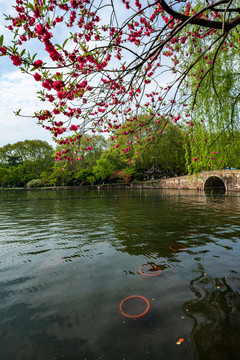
{"points": [[216, 315], [66, 264]]}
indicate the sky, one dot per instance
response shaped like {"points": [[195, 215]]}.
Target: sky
{"points": [[17, 91]]}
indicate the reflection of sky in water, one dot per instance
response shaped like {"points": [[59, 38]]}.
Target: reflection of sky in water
{"points": [[66, 264]]}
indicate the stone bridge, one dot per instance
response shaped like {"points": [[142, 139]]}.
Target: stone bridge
{"points": [[228, 180]]}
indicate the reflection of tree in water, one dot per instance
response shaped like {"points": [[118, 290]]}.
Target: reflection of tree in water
{"points": [[216, 315]]}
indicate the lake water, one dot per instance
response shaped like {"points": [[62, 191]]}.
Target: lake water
{"points": [[68, 260]]}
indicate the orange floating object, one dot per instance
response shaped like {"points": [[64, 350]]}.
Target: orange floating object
{"points": [[181, 340], [131, 300], [150, 270], [178, 247]]}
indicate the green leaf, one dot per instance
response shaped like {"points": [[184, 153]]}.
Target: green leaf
{"points": [[30, 6], [64, 43], [58, 47], [1, 40], [16, 113]]}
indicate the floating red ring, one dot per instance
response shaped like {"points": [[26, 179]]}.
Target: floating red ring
{"points": [[156, 273], [178, 247], [138, 315]]}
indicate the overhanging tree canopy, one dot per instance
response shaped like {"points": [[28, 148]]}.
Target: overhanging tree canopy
{"points": [[102, 63]]}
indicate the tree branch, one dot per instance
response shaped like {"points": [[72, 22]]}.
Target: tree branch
{"points": [[199, 21]]}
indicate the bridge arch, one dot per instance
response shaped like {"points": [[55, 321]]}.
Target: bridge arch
{"points": [[214, 183]]}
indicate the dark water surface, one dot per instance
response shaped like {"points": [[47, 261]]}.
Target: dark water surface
{"points": [[69, 259]]}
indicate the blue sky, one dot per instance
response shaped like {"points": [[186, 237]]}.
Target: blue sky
{"points": [[17, 91]]}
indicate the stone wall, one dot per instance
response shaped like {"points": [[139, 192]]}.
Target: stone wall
{"points": [[230, 178]]}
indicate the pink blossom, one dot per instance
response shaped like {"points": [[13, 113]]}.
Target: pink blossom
{"points": [[3, 50], [37, 12], [58, 85], [37, 77], [47, 84], [40, 30], [17, 61], [61, 95], [73, 127], [37, 63]]}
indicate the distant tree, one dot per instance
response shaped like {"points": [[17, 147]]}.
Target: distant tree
{"points": [[103, 169], [14, 160], [31, 150], [4, 176], [84, 177], [165, 152], [26, 160], [88, 153]]}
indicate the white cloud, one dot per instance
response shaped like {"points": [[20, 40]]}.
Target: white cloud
{"points": [[19, 91], [5, 8]]}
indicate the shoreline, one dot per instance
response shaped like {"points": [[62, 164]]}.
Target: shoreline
{"points": [[228, 180]]}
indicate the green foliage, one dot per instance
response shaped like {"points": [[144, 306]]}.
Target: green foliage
{"points": [[165, 152], [4, 176], [62, 177], [103, 169], [90, 180], [212, 88], [88, 157], [24, 161], [171, 154], [14, 160], [32, 150], [84, 177], [34, 183]]}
